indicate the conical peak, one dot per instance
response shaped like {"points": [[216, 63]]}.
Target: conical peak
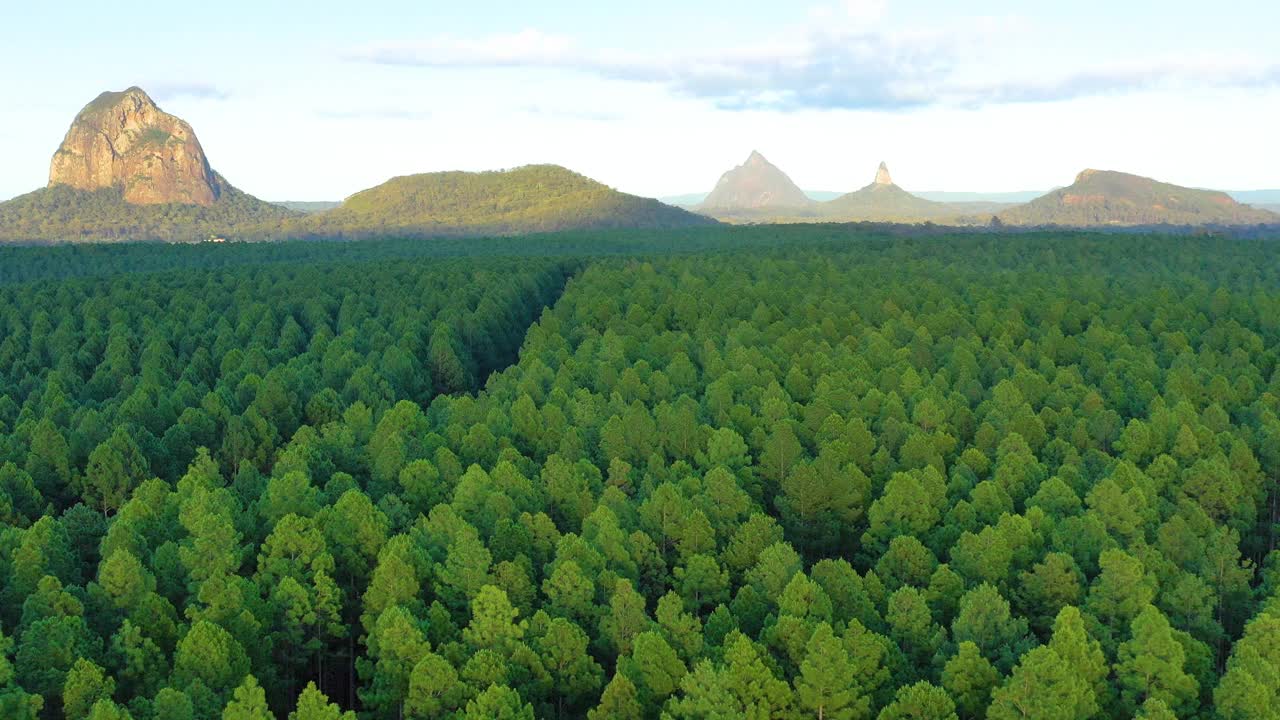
{"points": [[882, 175], [756, 158]]}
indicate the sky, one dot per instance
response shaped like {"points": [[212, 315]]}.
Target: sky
{"points": [[317, 100]]}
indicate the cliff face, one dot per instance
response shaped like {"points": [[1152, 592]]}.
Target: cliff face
{"points": [[123, 140]]}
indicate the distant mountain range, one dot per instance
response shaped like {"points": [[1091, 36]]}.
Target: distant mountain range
{"points": [[127, 170], [881, 201], [1096, 198], [690, 200]]}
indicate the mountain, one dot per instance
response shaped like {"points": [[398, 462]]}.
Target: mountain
{"points": [[884, 201], [1101, 197], [123, 140], [755, 185], [127, 170], [534, 198]]}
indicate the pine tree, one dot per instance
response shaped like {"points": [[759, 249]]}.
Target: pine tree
{"points": [[969, 678], [620, 701], [248, 703], [1152, 665], [827, 685], [1043, 687]]}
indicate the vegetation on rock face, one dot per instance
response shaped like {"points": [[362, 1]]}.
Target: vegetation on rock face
{"points": [[782, 472]]}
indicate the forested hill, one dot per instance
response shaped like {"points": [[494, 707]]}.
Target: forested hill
{"points": [[63, 214], [1112, 198], [821, 474], [535, 198]]}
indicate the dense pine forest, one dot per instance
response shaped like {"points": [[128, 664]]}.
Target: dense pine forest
{"points": [[761, 472]]}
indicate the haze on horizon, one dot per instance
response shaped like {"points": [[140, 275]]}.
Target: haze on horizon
{"points": [[661, 99]]}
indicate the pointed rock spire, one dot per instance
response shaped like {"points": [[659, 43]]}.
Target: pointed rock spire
{"points": [[882, 175]]}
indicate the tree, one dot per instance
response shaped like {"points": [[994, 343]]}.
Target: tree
{"points": [[781, 452], [171, 704], [911, 625], [493, 621], [986, 621], [108, 710], [657, 667], [1250, 688], [968, 677], [115, 468], [85, 685], [433, 688], [15, 703], [498, 702], [620, 701], [921, 701], [626, 619], [1043, 687], [210, 655], [314, 705], [827, 685], [908, 506], [562, 648], [48, 650], [1155, 709], [1152, 665], [1072, 642], [248, 703], [741, 688], [396, 646], [1121, 590]]}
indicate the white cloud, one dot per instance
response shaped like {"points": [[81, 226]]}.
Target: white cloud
{"points": [[162, 91], [844, 59]]}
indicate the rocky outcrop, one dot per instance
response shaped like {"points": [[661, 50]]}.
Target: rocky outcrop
{"points": [[756, 184], [883, 201], [882, 175], [1105, 197], [123, 140]]}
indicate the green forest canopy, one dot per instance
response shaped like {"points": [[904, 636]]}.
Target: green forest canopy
{"points": [[783, 473]]}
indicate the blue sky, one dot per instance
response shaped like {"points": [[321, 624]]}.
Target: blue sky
{"points": [[321, 99]]}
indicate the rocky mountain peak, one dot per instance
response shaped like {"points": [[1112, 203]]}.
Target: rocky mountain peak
{"points": [[123, 140], [882, 175], [753, 185]]}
